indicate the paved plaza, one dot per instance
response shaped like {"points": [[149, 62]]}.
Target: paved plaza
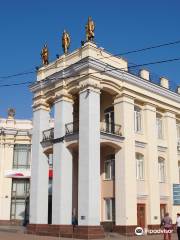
{"points": [[17, 233]]}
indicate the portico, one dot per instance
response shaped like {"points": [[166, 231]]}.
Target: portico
{"points": [[99, 181]]}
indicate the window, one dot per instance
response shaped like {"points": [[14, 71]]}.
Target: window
{"points": [[109, 119], [109, 167], [139, 166], [179, 170], [137, 119], [159, 124], [21, 156], [161, 166], [178, 131], [19, 198], [109, 209]]}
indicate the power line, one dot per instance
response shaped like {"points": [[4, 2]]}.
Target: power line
{"points": [[113, 55], [17, 74], [129, 52], [149, 48], [102, 71], [15, 84]]}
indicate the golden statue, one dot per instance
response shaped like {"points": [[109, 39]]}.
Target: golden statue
{"points": [[65, 41], [11, 112], [90, 27], [45, 55]]}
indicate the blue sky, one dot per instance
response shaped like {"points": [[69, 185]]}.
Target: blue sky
{"points": [[121, 26]]}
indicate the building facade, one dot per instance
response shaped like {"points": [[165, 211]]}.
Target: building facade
{"points": [[15, 159], [114, 145]]}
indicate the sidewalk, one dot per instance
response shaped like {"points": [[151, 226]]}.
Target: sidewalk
{"points": [[17, 233]]}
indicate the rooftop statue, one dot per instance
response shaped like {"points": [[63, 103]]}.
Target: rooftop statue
{"points": [[11, 113], [90, 27], [45, 55], [65, 41]]}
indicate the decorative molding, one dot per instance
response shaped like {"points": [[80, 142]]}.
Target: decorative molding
{"points": [[142, 196], [162, 148], [163, 197], [140, 144], [97, 65], [16, 132]]}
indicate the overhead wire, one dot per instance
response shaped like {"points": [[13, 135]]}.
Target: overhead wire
{"points": [[105, 57], [102, 71]]}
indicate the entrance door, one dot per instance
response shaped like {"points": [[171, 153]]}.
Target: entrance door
{"points": [[141, 214], [162, 210]]}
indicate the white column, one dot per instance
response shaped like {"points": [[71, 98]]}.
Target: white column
{"points": [[152, 165], [89, 158], [125, 165], [62, 165], [39, 169], [172, 161]]}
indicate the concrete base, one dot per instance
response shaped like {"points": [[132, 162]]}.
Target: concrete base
{"points": [[153, 227], [50, 230], [11, 222], [68, 231], [108, 226], [89, 232], [125, 230]]}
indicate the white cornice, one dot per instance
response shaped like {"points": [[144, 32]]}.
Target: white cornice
{"points": [[15, 132], [98, 65]]}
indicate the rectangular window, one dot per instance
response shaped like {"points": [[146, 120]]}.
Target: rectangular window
{"points": [[159, 124], [161, 171], [21, 156], [178, 132], [109, 209], [19, 196], [139, 169], [109, 168], [179, 170], [137, 121]]}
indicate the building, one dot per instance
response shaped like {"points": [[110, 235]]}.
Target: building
{"points": [[15, 158], [114, 145]]}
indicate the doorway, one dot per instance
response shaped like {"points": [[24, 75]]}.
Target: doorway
{"points": [[162, 210], [141, 215]]}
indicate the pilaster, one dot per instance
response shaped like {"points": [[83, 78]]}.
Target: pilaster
{"points": [[172, 158], [152, 165], [125, 166]]}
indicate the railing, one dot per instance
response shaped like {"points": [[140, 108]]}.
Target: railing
{"points": [[110, 128], [48, 134], [71, 128]]}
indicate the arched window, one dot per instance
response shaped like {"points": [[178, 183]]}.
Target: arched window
{"points": [[139, 166], [137, 119], [159, 124], [161, 169]]}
